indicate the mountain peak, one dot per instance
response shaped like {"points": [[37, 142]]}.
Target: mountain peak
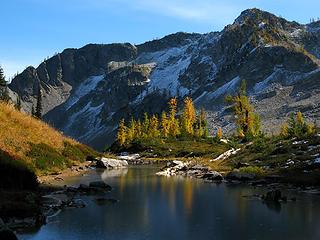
{"points": [[253, 14]]}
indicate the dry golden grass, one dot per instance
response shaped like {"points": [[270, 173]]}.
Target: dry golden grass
{"points": [[18, 130]]}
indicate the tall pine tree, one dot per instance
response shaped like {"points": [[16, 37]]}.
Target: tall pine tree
{"points": [[3, 82], [38, 112], [18, 104], [247, 121], [4, 94]]}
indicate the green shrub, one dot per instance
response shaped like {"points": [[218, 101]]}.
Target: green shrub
{"points": [[72, 152], [78, 152], [252, 170], [45, 157]]}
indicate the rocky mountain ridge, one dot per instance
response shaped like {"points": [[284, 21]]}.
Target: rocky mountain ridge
{"points": [[86, 91]]}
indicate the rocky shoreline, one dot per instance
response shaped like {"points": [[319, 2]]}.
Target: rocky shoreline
{"points": [[54, 197], [273, 184]]}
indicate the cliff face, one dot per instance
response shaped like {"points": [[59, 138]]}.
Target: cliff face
{"points": [[86, 91]]}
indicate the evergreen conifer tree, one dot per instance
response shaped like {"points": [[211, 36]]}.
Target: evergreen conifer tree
{"points": [[4, 94], [3, 82], [38, 112], [248, 122], [18, 104]]}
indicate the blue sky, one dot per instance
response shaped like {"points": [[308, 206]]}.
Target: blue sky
{"points": [[31, 30]]}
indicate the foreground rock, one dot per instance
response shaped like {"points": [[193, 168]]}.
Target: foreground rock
{"points": [[6, 233], [110, 163]]}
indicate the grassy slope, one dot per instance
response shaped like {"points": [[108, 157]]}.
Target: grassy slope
{"points": [[36, 145], [291, 158], [29, 147]]}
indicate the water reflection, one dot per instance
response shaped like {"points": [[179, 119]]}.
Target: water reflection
{"points": [[153, 207], [110, 173]]}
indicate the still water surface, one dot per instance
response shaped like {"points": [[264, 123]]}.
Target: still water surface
{"points": [[154, 207]]}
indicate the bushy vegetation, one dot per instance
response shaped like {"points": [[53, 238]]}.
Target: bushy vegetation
{"points": [[296, 126], [45, 157], [252, 170]]}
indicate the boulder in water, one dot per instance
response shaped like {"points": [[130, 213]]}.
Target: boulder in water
{"points": [[240, 176], [111, 163], [213, 176], [273, 196]]}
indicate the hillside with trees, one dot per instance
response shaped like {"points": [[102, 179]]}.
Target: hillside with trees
{"points": [[183, 134]]}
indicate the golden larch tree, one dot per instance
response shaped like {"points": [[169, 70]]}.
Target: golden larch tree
{"points": [[122, 133], [164, 125], [188, 117], [173, 122]]}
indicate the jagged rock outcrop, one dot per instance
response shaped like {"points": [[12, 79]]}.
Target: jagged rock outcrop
{"points": [[87, 90]]}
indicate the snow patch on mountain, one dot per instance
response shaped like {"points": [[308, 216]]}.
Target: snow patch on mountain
{"points": [[169, 65], [88, 117], [226, 88], [84, 88], [260, 86]]}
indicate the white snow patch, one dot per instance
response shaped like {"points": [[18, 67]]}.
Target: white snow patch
{"points": [[170, 64], [262, 24], [88, 116], [83, 89], [260, 86], [296, 33], [287, 77], [226, 88], [226, 154]]}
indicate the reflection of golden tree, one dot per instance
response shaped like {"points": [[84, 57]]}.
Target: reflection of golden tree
{"points": [[122, 184], [188, 195], [172, 194]]}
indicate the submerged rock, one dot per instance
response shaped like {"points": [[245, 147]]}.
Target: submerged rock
{"points": [[273, 196], [103, 201], [100, 185]]}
